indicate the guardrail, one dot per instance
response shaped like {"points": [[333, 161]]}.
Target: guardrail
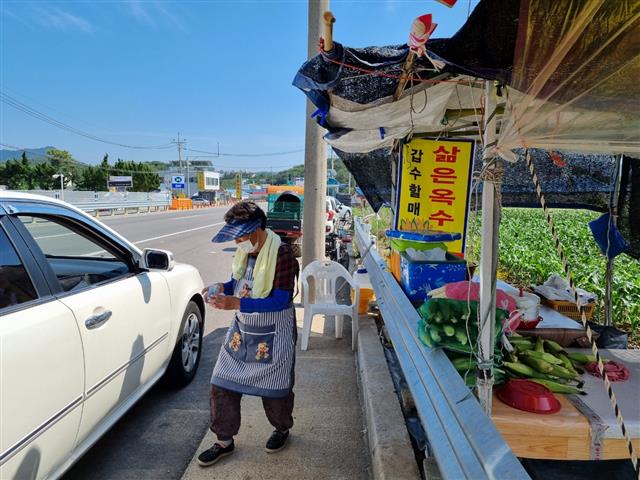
{"points": [[464, 441], [108, 209], [110, 203]]}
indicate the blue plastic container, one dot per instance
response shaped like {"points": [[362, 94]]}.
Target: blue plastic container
{"points": [[419, 278]]}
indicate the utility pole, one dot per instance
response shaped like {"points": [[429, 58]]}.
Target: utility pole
{"points": [[179, 143], [315, 158]]}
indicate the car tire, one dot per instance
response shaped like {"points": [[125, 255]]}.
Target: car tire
{"points": [[188, 350]]}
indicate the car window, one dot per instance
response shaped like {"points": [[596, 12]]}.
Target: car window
{"points": [[15, 284], [77, 259]]}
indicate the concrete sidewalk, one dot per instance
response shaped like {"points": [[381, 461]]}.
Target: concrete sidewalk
{"points": [[328, 439]]}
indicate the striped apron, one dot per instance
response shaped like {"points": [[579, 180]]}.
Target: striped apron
{"points": [[258, 353]]}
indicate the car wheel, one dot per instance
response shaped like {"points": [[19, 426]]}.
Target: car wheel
{"points": [[186, 355]]}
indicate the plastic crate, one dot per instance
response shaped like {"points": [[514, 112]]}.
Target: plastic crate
{"points": [[570, 309], [419, 278]]}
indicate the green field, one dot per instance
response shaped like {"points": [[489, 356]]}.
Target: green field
{"points": [[528, 256]]}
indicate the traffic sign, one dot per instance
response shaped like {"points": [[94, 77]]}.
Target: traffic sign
{"points": [[177, 181]]}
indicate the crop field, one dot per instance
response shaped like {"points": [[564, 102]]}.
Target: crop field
{"points": [[528, 257]]}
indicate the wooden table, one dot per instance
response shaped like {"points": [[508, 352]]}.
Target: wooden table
{"points": [[565, 435]]}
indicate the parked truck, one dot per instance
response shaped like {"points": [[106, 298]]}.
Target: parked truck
{"points": [[284, 214]]}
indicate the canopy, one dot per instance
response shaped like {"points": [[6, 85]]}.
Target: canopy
{"points": [[566, 73]]}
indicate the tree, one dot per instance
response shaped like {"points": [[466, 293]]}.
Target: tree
{"points": [[64, 163], [145, 177], [43, 176], [94, 178], [17, 174]]}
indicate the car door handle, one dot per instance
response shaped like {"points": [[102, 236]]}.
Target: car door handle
{"points": [[95, 321]]}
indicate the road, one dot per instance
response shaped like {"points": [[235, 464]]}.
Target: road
{"points": [[158, 436]]}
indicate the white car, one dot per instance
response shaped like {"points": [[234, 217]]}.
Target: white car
{"points": [[344, 212], [332, 217], [88, 323]]}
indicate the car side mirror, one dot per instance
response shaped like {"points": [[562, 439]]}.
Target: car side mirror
{"points": [[158, 260]]}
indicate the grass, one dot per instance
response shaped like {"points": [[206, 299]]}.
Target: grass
{"points": [[528, 257]]}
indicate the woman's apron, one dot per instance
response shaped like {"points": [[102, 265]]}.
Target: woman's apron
{"points": [[258, 353]]}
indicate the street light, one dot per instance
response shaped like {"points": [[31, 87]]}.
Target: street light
{"points": [[61, 176]]}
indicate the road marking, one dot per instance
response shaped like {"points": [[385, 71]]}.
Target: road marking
{"points": [[178, 233], [54, 236], [188, 216]]}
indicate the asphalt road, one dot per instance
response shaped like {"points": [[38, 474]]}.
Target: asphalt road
{"points": [[158, 436]]}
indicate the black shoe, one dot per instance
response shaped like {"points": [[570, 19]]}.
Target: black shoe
{"points": [[215, 453], [277, 441]]}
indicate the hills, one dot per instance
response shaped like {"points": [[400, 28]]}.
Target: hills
{"points": [[36, 155]]}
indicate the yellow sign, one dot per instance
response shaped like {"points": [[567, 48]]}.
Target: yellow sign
{"points": [[201, 185], [434, 178], [239, 186]]}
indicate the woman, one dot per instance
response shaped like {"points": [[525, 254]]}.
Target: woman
{"points": [[258, 354]]}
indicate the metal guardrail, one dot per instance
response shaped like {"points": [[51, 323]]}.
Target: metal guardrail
{"points": [[464, 441], [110, 203]]}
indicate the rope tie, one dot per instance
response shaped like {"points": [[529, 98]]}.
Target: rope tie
{"points": [[583, 316]]}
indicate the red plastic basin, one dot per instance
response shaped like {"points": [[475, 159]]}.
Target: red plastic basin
{"points": [[528, 396]]}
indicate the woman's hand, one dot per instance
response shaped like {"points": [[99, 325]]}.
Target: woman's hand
{"points": [[208, 292], [224, 302]]}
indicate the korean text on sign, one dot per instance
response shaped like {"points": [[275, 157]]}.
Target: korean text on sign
{"points": [[433, 187]]}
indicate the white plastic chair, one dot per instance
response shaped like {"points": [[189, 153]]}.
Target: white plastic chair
{"points": [[325, 274]]}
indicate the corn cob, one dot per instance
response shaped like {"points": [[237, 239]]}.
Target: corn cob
{"points": [[581, 357], [547, 357], [554, 347], [538, 364], [562, 372], [558, 387], [539, 345]]}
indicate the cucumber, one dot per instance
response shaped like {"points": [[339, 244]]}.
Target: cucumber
{"points": [[448, 330], [425, 337], [461, 336], [435, 334]]}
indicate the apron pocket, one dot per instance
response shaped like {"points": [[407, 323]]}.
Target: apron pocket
{"points": [[234, 343], [258, 342]]}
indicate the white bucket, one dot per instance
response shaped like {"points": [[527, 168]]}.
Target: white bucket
{"points": [[529, 306]]}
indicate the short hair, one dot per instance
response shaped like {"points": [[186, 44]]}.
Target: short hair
{"points": [[243, 212]]}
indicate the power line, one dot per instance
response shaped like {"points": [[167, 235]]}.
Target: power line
{"points": [[23, 107], [270, 154]]}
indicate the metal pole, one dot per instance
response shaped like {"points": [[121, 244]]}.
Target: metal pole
{"points": [[613, 211], [315, 158], [488, 259], [61, 186], [188, 179]]}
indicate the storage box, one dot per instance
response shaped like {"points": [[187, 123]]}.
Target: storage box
{"points": [[419, 278]]}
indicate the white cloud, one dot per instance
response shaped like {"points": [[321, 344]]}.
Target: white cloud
{"points": [[154, 13], [62, 20]]}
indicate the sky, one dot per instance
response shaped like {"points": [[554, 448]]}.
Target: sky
{"points": [[140, 72]]}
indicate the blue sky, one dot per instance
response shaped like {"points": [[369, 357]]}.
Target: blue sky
{"points": [[139, 72]]}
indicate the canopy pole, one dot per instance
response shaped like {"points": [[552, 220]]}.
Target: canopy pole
{"points": [[327, 30], [488, 254], [613, 220]]}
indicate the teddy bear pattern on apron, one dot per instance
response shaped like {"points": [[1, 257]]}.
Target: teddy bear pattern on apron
{"points": [[258, 352]]}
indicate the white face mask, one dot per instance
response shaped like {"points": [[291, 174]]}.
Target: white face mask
{"points": [[246, 246]]}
